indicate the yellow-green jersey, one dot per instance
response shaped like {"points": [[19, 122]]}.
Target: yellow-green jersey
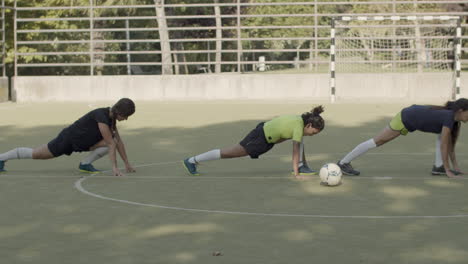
{"points": [[284, 127]]}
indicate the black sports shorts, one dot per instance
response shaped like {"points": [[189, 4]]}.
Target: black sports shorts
{"points": [[255, 143], [60, 145]]}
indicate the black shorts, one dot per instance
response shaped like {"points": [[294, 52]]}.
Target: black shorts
{"points": [[255, 143], [61, 145]]}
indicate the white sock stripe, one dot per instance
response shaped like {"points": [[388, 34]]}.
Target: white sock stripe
{"points": [[359, 150], [17, 153], [24, 153], [214, 154], [95, 155]]}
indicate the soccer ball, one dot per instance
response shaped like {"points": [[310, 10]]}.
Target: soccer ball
{"points": [[330, 174]]}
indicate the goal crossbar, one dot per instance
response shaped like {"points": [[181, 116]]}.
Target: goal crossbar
{"points": [[455, 23]]}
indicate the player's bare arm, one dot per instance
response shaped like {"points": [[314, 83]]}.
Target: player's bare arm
{"points": [[110, 143], [122, 151], [295, 157]]}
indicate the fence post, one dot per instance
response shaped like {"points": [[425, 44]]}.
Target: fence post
{"points": [[3, 39], [91, 36], [457, 57], [332, 61], [239, 41], [127, 36], [15, 27]]}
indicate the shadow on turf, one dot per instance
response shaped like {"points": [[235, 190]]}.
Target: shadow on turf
{"points": [[132, 234]]}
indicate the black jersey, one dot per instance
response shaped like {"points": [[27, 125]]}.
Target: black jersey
{"points": [[85, 133], [427, 119]]}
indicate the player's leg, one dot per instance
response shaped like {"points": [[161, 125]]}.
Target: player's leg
{"points": [[41, 152], [215, 154], [235, 151], [386, 135], [438, 168], [254, 144], [393, 130], [191, 163], [17, 153], [96, 152]]}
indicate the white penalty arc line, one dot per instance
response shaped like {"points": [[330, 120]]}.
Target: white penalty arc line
{"points": [[79, 187]]}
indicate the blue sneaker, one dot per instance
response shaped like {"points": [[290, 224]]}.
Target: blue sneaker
{"points": [[347, 169], [88, 168], [2, 166], [191, 167], [441, 171], [304, 170]]}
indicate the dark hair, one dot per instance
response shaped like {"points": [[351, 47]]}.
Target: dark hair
{"points": [[455, 106], [124, 107], [313, 117]]}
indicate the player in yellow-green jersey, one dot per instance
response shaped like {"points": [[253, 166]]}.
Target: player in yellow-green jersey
{"points": [[264, 136]]}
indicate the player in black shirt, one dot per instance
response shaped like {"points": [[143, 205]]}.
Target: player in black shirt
{"points": [[441, 120], [96, 132]]}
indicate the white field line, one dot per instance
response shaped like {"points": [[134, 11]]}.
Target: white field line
{"points": [[79, 187]]}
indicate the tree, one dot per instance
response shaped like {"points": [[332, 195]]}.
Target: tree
{"points": [[280, 32], [166, 59], [219, 35]]}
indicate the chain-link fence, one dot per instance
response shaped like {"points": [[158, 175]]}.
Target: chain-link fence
{"points": [[157, 37]]}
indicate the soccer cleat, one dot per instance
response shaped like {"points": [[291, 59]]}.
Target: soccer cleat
{"points": [[2, 166], [441, 171], [304, 170], [191, 167], [88, 168], [347, 169]]}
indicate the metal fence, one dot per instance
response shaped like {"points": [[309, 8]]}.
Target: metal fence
{"points": [[165, 38], [2, 38]]}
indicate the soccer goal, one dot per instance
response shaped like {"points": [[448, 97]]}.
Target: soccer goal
{"points": [[386, 55]]}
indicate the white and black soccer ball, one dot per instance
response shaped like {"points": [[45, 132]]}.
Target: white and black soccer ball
{"points": [[330, 174]]}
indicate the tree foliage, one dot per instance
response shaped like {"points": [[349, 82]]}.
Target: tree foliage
{"points": [[285, 28]]}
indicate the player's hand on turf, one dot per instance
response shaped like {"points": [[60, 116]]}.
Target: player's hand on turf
{"points": [[116, 172], [129, 168], [452, 175], [300, 177], [458, 171]]}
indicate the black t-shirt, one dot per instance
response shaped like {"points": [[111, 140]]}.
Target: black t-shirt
{"points": [[85, 133], [427, 119]]}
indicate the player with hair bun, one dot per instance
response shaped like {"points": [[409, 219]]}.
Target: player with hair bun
{"points": [[96, 132], [266, 134], [442, 120]]}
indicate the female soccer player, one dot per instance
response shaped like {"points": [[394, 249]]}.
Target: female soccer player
{"points": [[96, 132], [265, 136], [442, 120]]}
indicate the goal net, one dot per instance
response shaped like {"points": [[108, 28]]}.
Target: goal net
{"points": [[395, 44]]}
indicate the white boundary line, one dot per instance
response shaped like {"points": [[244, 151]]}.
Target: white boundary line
{"points": [[79, 187]]}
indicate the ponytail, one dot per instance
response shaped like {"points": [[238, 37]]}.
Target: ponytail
{"points": [[313, 117]]}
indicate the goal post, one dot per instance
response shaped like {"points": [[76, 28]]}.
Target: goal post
{"points": [[367, 50]]}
